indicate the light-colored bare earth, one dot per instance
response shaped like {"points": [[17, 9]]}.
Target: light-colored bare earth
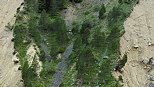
{"points": [[10, 76], [33, 57], [69, 14], [138, 44]]}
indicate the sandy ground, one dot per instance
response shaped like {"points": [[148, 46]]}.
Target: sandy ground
{"points": [[10, 76], [70, 14], [32, 55], [138, 43]]}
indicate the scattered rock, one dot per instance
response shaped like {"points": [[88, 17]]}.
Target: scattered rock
{"points": [[12, 39], [151, 84], [19, 68], [145, 61], [136, 46], [151, 79], [16, 61], [149, 43], [105, 57], [14, 52], [21, 80], [120, 78], [151, 61], [25, 41], [22, 3]]}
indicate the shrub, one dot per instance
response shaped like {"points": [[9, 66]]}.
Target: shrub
{"points": [[76, 1], [102, 11], [121, 63], [9, 26]]}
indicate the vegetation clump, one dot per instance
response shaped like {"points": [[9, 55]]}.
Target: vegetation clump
{"points": [[76, 1], [102, 12]]}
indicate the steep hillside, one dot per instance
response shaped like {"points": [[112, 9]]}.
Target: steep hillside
{"points": [[10, 76], [137, 43], [67, 43]]}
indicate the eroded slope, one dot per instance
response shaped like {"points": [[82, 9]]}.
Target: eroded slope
{"points": [[10, 76], [138, 42]]}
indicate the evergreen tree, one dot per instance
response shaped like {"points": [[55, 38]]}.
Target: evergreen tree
{"points": [[120, 1], [45, 22], [61, 4], [41, 5], [102, 12], [87, 66], [76, 1], [32, 5], [98, 39], [53, 7], [60, 30], [85, 31]]}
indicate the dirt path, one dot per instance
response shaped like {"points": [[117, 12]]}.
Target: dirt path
{"points": [[138, 43], [10, 76], [44, 48], [62, 66]]}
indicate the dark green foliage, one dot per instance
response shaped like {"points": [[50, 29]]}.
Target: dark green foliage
{"points": [[120, 1], [102, 11], [121, 63], [59, 28], [45, 22], [114, 15], [87, 66], [31, 5], [85, 31], [77, 43], [28, 74], [125, 1], [55, 25], [52, 6], [19, 29], [113, 40], [76, 1], [98, 39], [42, 55], [105, 76], [41, 5], [33, 28], [20, 34], [62, 4], [49, 68], [120, 78], [53, 9]]}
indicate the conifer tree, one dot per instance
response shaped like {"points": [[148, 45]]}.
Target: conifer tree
{"points": [[102, 12], [41, 5]]}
